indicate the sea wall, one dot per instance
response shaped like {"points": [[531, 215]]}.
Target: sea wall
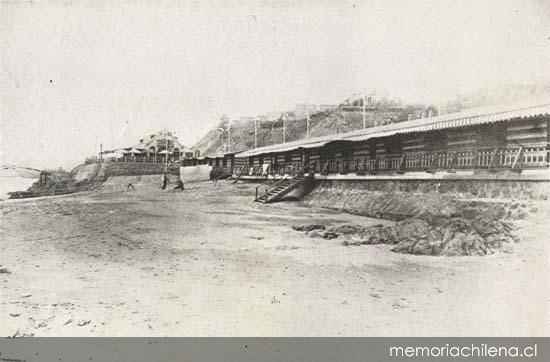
{"points": [[139, 168], [399, 199], [460, 188]]}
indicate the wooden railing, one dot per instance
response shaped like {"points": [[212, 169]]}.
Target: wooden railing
{"points": [[491, 159]]}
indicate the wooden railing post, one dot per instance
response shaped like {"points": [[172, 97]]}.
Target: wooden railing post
{"points": [[401, 165], [517, 158], [493, 157], [453, 160]]}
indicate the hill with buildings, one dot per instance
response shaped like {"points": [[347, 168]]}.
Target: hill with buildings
{"points": [[347, 116], [247, 132]]}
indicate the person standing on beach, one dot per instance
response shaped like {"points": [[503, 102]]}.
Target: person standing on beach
{"points": [[214, 176], [164, 181], [179, 185]]}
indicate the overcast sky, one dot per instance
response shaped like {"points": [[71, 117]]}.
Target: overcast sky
{"points": [[73, 72]]}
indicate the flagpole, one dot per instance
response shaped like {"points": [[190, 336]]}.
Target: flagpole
{"points": [[284, 127], [364, 111], [255, 134], [166, 158], [229, 136], [307, 121]]}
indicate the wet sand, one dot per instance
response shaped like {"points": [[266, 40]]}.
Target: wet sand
{"points": [[210, 262]]}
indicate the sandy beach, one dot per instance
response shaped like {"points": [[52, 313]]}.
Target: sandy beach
{"points": [[209, 261]]}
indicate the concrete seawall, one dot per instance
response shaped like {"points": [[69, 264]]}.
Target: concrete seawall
{"points": [[397, 199]]}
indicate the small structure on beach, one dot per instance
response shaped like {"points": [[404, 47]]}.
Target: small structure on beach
{"points": [[44, 176]]}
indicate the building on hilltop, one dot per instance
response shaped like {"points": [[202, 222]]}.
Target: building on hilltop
{"points": [[161, 146]]}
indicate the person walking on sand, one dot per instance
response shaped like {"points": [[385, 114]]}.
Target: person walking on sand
{"points": [[164, 181], [214, 177]]}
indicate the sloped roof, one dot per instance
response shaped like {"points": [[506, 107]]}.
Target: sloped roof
{"points": [[151, 140], [474, 116]]}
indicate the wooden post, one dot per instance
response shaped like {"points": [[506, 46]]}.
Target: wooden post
{"points": [[307, 121], [401, 165], [431, 168], [284, 128], [517, 158], [255, 134], [453, 160], [493, 159], [364, 111]]}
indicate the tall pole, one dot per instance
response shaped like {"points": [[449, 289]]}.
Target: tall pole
{"points": [[284, 127], [166, 158], [229, 136], [224, 144], [307, 122], [255, 134], [364, 110]]}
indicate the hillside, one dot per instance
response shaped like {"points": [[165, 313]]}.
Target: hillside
{"points": [[321, 124]]}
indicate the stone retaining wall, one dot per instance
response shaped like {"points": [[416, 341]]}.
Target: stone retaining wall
{"points": [[509, 189], [137, 168], [396, 200]]}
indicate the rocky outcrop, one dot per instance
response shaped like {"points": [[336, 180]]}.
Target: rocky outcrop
{"points": [[465, 228], [85, 174], [308, 227], [449, 237]]}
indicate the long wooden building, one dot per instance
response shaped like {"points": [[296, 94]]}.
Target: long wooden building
{"points": [[511, 137]]}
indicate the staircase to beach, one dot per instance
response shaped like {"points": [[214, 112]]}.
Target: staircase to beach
{"points": [[276, 191]]}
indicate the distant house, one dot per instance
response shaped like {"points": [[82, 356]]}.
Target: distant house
{"points": [[155, 147], [161, 141], [327, 107]]}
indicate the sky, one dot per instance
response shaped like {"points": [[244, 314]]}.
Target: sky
{"points": [[77, 74]]}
